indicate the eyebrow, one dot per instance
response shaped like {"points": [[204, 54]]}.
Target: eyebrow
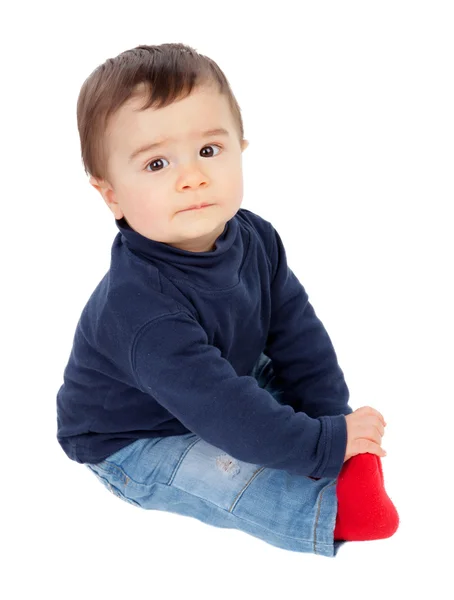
{"points": [[154, 145]]}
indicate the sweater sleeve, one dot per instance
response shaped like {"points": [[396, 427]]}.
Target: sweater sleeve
{"points": [[304, 359], [174, 363]]}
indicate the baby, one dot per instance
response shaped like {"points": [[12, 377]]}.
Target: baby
{"points": [[201, 380]]}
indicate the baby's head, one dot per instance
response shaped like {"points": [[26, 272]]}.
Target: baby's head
{"points": [[142, 97]]}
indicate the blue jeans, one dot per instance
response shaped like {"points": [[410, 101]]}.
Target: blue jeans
{"points": [[184, 474]]}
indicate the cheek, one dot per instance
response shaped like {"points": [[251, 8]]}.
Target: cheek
{"points": [[236, 184]]}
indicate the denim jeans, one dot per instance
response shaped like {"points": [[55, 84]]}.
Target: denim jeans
{"points": [[184, 474]]}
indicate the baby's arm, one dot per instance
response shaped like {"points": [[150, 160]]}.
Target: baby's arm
{"points": [[304, 359]]}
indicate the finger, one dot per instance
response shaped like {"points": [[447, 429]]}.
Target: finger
{"points": [[374, 436], [380, 451], [374, 411], [366, 445], [373, 429], [380, 427], [380, 416], [380, 430]]}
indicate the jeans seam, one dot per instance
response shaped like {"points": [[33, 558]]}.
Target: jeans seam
{"points": [[246, 485], [174, 472], [276, 533], [318, 514]]}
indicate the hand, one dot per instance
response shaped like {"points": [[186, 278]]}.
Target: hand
{"points": [[365, 429]]}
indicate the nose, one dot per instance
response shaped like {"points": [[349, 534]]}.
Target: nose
{"points": [[193, 178]]}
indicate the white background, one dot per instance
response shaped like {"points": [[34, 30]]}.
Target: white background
{"points": [[348, 108]]}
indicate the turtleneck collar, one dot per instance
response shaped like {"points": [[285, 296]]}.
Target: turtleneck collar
{"points": [[216, 268]]}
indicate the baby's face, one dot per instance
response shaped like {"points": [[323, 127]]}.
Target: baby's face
{"points": [[151, 189]]}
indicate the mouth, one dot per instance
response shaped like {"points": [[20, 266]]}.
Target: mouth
{"points": [[196, 207]]}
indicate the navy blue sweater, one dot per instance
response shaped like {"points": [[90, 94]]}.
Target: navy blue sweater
{"points": [[166, 341]]}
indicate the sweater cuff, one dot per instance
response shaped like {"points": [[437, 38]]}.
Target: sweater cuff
{"points": [[336, 440]]}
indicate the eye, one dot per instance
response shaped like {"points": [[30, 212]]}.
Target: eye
{"points": [[159, 160]]}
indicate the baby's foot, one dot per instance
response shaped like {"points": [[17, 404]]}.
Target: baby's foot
{"points": [[365, 511]]}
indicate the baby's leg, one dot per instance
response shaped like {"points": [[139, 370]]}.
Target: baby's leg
{"points": [[365, 511]]}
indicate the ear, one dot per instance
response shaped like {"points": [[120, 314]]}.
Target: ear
{"points": [[244, 145], [107, 194], [98, 184]]}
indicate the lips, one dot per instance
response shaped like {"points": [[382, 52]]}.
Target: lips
{"points": [[196, 206]]}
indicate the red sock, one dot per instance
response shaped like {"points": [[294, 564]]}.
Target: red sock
{"points": [[364, 511]]}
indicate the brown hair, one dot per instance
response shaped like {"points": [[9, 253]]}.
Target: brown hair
{"points": [[169, 72]]}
